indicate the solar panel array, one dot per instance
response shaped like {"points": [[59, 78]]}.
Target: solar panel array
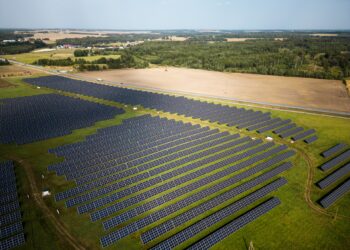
{"points": [[33, 118], [160, 165], [310, 139], [232, 116], [340, 155], [11, 228], [236, 224]]}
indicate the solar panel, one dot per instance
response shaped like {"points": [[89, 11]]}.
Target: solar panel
{"points": [[12, 242], [334, 150], [336, 161], [235, 225], [202, 208], [334, 177], [137, 225], [311, 139], [335, 194], [303, 135], [168, 103], [9, 230]]}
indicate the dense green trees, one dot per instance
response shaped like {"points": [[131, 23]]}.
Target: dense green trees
{"points": [[298, 56], [4, 62], [81, 52], [20, 47]]}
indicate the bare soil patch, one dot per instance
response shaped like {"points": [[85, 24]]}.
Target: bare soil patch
{"points": [[53, 36], [293, 91], [5, 84], [323, 34], [15, 70]]}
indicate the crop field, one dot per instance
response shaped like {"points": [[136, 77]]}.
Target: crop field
{"points": [[292, 91], [171, 171], [30, 58]]}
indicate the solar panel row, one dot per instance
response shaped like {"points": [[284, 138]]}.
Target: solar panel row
{"points": [[174, 104], [202, 208], [334, 150], [203, 144], [148, 168], [310, 139], [137, 225], [336, 161], [335, 194], [334, 177], [133, 139], [303, 135], [235, 225], [11, 228], [169, 185], [212, 219], [182, 157]]}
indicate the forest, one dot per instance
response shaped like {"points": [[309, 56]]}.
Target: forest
{"points": [[327, 58]]}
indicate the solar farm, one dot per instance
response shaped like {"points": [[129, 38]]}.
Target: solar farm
{"points": [[111, 167]]}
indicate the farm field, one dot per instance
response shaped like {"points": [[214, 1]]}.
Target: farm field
{"points": [[15, 70], [293, 91], [299, 206], [30, 58]]}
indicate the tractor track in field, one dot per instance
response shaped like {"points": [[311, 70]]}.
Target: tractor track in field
{"points": [[308, 187], [62, 231]]}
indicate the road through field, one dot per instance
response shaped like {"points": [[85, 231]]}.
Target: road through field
{"points": [[329, 95]]}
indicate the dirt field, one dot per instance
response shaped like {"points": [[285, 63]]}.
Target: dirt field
{"points": [[293, 91], [323, 34], [53, 36], [14, 70], [4, 84]]}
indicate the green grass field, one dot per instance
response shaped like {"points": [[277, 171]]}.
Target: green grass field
{"points": [[292, 225]]}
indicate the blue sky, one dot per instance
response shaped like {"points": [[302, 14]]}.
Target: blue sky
{"points": [[176, 14]]}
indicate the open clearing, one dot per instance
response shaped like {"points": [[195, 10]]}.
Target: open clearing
{"points": [[293, 91], [4, 84], [15, 70], [53, 36]]}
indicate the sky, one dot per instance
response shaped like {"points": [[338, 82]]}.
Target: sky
{"points": [[176, 14]]}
